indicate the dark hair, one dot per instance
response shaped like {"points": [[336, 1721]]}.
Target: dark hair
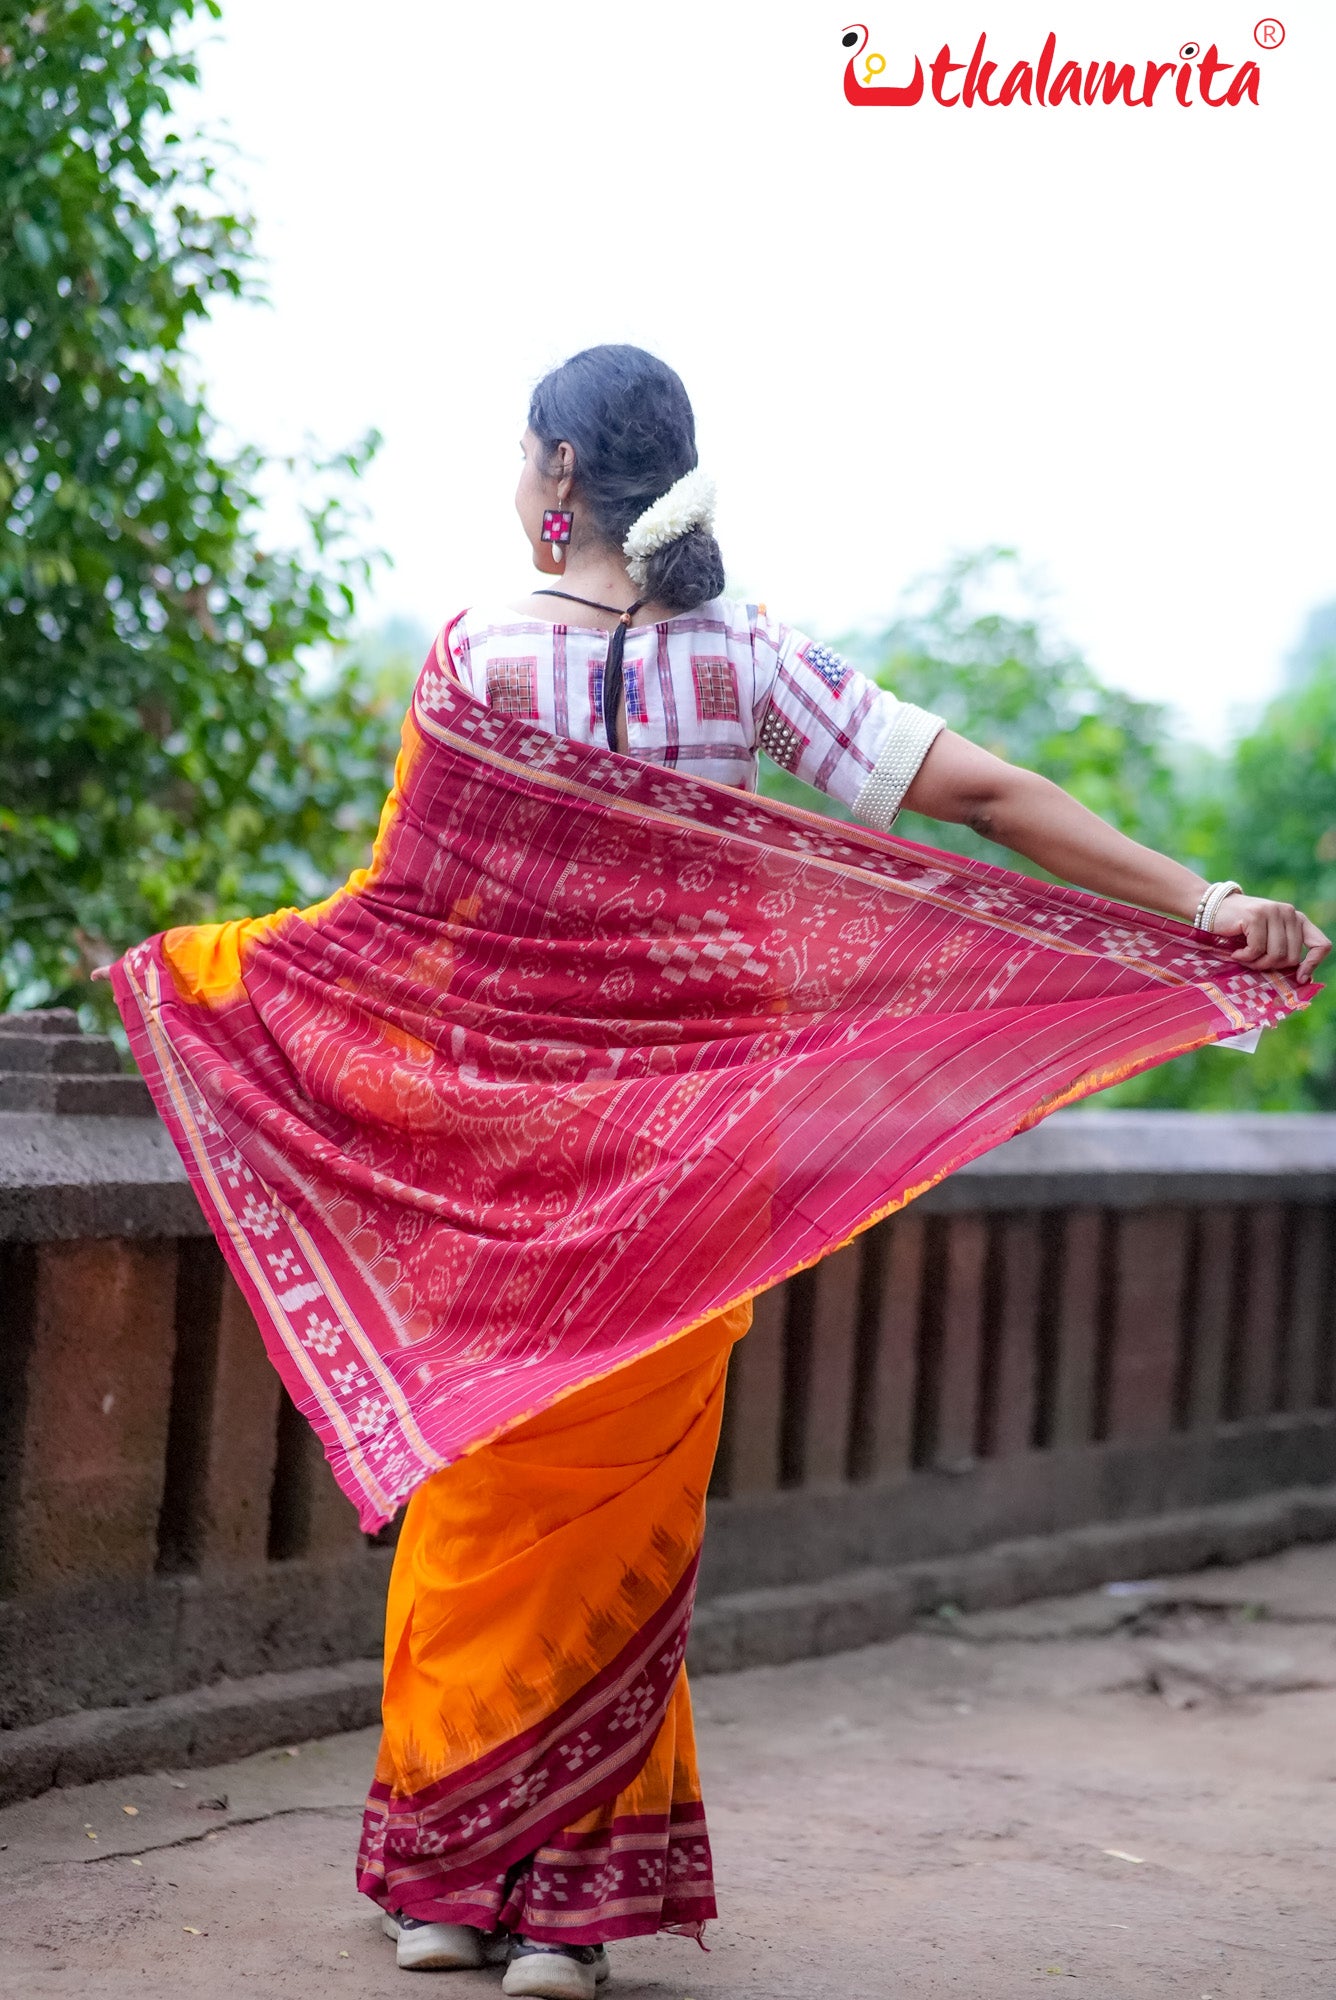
{"points": [[630, 421]]}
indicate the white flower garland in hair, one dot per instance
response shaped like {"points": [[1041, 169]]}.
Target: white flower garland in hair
{"points": [[686, 505]]}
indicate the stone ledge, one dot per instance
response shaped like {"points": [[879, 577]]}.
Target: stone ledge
{"points": [[752, 1628], [40, 1021], [84, 1096], [208, 1726], [48, 1054], [800, 1535], [1147, 1159], [47, 1065], [64, 1176], [117, 1644], [862, 1607]]}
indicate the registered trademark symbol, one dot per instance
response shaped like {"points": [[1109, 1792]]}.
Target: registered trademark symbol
{"points": [[1269, 32]]}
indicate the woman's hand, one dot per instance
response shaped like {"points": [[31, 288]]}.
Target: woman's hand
{"points": [[100, 972], [1274, 935]]}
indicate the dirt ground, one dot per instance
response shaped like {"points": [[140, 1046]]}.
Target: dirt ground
{"points": [[1134, 1790]]}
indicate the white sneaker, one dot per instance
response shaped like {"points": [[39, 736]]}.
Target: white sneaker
{"points": [[554, 1971], [421, 1946]]}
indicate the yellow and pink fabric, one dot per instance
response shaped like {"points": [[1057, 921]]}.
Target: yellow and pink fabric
{"points": [[538, 1767], [500, 1140]]}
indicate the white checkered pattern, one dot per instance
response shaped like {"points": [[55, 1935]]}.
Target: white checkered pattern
{"points": [[716, 686], [706, 691], [512, 687]]}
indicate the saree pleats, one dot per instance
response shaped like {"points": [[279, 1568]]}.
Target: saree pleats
{"points": [[538, 1767]]}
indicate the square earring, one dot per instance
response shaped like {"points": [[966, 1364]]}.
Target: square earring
{"points": [[557, 524]]}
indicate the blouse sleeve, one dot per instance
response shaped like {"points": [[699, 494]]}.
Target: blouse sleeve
{"points": [[454, 651], [819, 718]]}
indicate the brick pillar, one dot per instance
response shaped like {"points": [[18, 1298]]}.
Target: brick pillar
{"points": [[1144, 1362], [884, 1418], [955, 1367], [224, 1434], [1007, 1418], [1075, 1331], [86, 1482], [310, 1515], [830, 1374], [749, 1449]]}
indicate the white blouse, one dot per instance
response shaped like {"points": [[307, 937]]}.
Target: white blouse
{"points": [[705, 691]]}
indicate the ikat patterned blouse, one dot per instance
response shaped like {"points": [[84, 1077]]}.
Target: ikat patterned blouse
{"points": [[705, 691]]}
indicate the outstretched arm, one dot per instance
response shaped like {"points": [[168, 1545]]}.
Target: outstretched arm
{"points": [[958, 781]]}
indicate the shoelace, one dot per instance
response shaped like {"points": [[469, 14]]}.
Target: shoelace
{"points": [[583, 1954]]}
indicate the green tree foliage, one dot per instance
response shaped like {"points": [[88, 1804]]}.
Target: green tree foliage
{"points": [[185, 730], [160, 758], [1006, 683], [1269, 819], [1266, 813]]}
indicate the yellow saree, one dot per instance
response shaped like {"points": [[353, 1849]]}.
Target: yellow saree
{"points": [[538, 1766]]}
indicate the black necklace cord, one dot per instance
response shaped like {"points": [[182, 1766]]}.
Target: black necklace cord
{"points": [[592, 602], [613, 677]]}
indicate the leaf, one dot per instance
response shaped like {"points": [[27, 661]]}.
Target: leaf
{"points": [[133, 577], [32, 241]]}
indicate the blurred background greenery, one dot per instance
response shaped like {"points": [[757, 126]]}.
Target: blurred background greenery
{"points": [[1262, 809], [193, 724]]}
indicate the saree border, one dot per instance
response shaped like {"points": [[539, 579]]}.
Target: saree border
{"points": [[573, 1889], [175, 1101], [505, 1804]]}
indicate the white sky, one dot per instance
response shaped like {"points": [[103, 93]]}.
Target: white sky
{"points": [[1101, 336]]}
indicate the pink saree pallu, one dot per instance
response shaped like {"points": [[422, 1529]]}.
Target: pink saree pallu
{"points": [[593, 1051]]}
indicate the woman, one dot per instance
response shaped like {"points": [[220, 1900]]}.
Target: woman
{"points": [[502, 1139]]}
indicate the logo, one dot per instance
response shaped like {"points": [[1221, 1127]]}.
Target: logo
{"points": [[1197, 76]]}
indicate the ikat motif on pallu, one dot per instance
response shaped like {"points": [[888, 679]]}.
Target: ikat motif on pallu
{"points": [[595, 1049]]}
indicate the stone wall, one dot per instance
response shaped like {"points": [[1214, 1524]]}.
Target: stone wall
{"points": [[1115, 1333]]}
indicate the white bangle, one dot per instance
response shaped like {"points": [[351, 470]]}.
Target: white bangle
{"points": [[1215, 894]]}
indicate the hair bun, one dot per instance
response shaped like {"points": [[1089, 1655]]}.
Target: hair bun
{"points": [[688, 503], [685, 572]]}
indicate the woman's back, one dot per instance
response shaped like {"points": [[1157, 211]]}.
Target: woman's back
{"points": [[706, 690]]}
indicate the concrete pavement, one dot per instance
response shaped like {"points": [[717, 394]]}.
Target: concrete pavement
{"points": [[1133, 1790]]}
